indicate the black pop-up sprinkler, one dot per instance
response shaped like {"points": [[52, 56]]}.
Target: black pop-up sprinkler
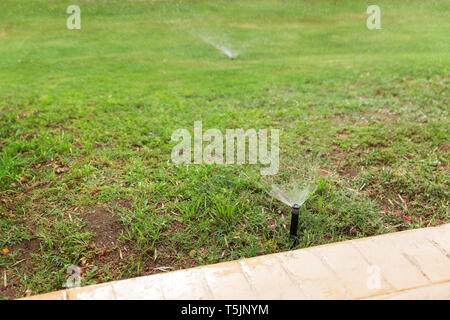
{"points": [[294, 222]]}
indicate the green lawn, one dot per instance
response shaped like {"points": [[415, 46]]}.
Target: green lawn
{"points": [[86, 118]]}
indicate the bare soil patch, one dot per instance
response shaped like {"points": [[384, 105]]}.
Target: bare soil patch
{"points": [[24, 250]]}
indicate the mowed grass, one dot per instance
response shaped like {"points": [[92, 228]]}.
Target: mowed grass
{"points": [[87, 116]]}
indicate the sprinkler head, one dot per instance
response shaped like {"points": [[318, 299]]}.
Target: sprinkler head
{"points": [[294, 222]]}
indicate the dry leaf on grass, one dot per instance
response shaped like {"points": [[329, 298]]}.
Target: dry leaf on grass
{"points": [[60, 170]]}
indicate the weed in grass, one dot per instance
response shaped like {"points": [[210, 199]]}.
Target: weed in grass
{"points": [[224, 209], [190, 209]]}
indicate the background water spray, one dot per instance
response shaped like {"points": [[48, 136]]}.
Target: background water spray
{"points": [[228, 52]]}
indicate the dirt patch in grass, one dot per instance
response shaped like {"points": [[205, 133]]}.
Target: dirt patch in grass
{"points": [[363, 119], [337, 158], [115, 258], [348, 171], [381, 113], [13, 288], [342, 134], [105, 228], [337, 155], [110, 253], [23, 251]]}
